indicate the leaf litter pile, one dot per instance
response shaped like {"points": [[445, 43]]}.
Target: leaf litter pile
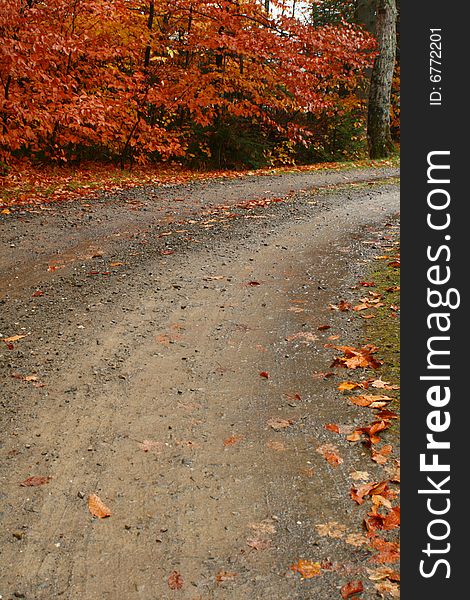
{"points": [[369, 390]]}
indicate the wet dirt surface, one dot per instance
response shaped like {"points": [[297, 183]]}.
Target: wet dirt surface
{"points": [[145, 344]]}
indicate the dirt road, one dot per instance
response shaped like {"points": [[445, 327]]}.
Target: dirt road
{"points": [[147, 326]]}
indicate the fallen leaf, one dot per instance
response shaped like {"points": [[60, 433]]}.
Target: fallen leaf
{"points": [[379, 521], [34, 481], [331, 529], [330, 453], [388, 588], [389, 552], [348, 385], [264, 374], [342, 306], [359, 476], [367, 283], [234, 439], [253, 283], [225, 576], [306, 568], [166, 252], [381, 456], [97, 508], [175, 581], [38, 293], [14, 338], [116, 264], [293, 397], [332, 427], [370, 400], [383, 573], [323, 327], [351, 588], [354, 357], [278, 424]]}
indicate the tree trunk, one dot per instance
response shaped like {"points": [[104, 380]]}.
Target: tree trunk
{"points": [[378, 121]]}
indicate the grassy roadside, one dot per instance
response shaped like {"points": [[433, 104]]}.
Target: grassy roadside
{"points": [[26, 184]]}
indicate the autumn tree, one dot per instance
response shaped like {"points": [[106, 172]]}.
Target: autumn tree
{"points": [[152, 79]]}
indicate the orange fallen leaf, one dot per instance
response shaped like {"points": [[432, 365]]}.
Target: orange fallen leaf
{"points": [[175, 581], [15, 338], [387, 588], [306, 568], [381, 456], [234, 439], [332, 427], [357, 357], [97, 508], [348, 386], [389, 552], [34, 481], [38, 293], [330, 453], [351, 588], [264, 374], [323, 327], [331, 529]]}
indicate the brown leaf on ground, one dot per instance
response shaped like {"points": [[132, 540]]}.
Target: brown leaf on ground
{"points": [[279, 424], [349, 385], [225, 576], [381, 456], [264, 374], [332, 427], [306, 568], [368, 489], [175, 581], [330, 453], [367, 283], [293, 397], [384, 385], [359, 476], [370, 400], [331, 529], [388, 589], [383, 573], [387, 522], [323, 327], [14, 338], [37, 294], [357, 357], [97, 508], [342, 306], [34, 481], [253, 283], [351, 588], [233, 439], [389, 552]]}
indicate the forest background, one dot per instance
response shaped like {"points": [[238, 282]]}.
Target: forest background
{"points": [[232, 84]]}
